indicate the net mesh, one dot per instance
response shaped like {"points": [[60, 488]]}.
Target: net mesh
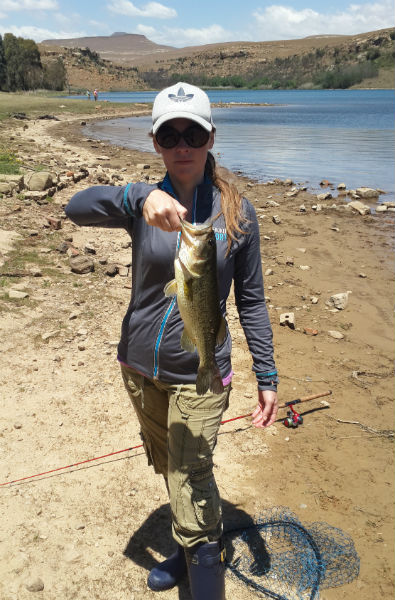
{"points": [[285, 560]]}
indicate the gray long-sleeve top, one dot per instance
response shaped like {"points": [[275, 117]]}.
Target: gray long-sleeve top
{"points": [[152, 326]]}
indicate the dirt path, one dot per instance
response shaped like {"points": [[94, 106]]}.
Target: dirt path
{"points": [[92, 531]]}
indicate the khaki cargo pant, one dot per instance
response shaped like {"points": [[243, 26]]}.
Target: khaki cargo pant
{"points": [[179, 431]]}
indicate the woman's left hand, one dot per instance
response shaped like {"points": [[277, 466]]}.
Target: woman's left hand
{"points": [[266, 411]]}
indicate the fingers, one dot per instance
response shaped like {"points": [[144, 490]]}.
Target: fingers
{"points": [[163, 211], [265, 413]]}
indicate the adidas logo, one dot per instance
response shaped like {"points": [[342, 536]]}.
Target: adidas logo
{"points": [[181, 96]]}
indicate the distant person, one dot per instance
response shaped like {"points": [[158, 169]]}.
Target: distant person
{"points": [[179, 426], [95, 94], [88, 94]]}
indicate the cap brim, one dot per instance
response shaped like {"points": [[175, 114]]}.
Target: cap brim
{"points": [[181, 115]]}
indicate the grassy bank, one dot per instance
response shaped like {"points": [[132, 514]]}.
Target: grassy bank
{"points": [[35, 105]]}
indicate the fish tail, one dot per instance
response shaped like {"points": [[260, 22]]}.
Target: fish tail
{"points": [[209, 378]]}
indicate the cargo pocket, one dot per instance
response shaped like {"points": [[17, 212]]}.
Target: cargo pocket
{"points": [[134, 383], [204, 495], [147, 448]]}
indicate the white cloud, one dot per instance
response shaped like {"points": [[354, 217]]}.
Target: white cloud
{"points": [[153, 10], [20, 5], [181, 37], [284, 22], [38, 34]]}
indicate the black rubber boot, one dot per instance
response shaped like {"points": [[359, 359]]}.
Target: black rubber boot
{"points": [[206, 568], [169, 572]]}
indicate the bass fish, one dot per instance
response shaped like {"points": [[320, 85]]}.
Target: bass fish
{"points": [[196, 288]]}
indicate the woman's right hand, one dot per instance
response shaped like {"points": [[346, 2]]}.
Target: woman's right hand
{"points": [[163, 211]]}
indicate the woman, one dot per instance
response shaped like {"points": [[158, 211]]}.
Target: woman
{"points": [[179, 428]]}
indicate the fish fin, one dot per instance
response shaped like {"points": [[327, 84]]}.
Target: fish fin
{"points": [[170, 288], [186, 343], [221, 334], [209, 378]]}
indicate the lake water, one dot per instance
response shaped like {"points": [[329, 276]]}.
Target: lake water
{"points": [[340, 135]]}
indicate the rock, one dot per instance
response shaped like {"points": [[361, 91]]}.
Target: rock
{"points": [[317, 207], [39, 197], [35, 585], [325, 196], [314, 300], [288, 319], [303, 250], [336, 335], [81, 264], [305, 267], [16, 181], [363, 275], [89, 249], [289, 261], [54, 223], [276, 219], [363, 209], [269, 272], [325, 183], [302, 208], [35, 272], [17, 295], [272, 203], [339, 301], [381, 208], [112, 270], [41, 180], [310, 331], [6, 188], [288, 182], [292, 193], [365, 192], [341, 186]]}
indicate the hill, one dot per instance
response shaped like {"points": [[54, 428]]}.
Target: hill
{"points": [[122, 48], [315, 61]]}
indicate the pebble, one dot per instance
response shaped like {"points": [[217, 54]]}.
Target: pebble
{"points": [[363, 275], [35, 585], [336, 335], [276, 219], [310, 331], [269, 272], [304, 267]]}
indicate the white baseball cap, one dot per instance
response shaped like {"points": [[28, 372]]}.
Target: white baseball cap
{"points": [[182, 101]]}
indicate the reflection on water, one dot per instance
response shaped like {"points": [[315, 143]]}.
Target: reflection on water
{"points": [[342, 141]]}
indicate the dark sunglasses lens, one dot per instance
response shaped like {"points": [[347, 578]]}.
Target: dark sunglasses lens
{"points": [[196, 136], [167, 137]]}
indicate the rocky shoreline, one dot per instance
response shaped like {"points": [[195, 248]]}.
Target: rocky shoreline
{"points": [[328, 270]]}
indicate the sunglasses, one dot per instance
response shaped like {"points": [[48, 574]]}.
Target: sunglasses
{"points": [[195, 136]]}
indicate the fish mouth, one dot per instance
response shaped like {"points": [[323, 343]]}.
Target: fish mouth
{"points": [[195, 233]]}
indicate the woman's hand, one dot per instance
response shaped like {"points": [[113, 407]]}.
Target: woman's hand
{"points": [[266, 412], [163, 211]]}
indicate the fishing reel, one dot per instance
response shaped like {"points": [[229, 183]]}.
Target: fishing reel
{"points": [[293, 418]]}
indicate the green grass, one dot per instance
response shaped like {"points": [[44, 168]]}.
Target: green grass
{"points": [[9, 164], [34, 104]]}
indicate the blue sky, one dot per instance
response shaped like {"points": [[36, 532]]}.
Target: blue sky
{"points": [[186, 23]]}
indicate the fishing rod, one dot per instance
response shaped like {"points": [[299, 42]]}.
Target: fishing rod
{"points": [[82, 462], [293, 418]]}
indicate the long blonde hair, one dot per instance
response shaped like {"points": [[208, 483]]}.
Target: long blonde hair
{"points": [[231, 201]]}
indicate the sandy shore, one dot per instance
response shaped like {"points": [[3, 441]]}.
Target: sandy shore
{"points": [[93, 531]]}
